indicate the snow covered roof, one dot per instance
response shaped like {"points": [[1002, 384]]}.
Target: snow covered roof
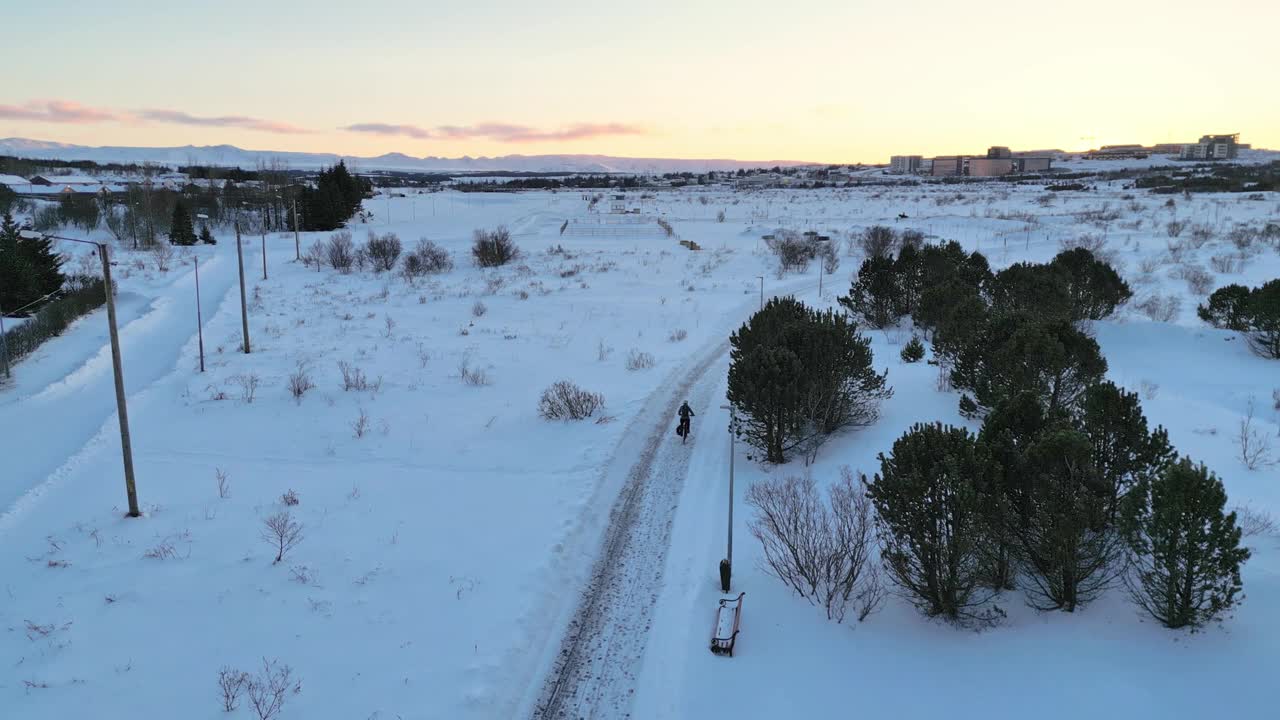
{"points": [[13, 180]]}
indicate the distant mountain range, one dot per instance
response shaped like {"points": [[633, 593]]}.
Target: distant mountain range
{"points": [[231, 156]]}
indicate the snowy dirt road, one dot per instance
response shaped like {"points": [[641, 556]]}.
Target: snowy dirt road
{"points": [[596, 671]]}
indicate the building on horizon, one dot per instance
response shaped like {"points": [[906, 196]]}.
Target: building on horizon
{"points": [[905, 164], [999, 152], [1212, 147]]}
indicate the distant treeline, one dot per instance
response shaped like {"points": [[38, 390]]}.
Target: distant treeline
{"points": [[26, 167]]}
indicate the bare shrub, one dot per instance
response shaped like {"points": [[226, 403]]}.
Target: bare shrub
{"points": [[1198, 279], [231, 684], [315, 256], [878, 241], [248, 383], [1253, 442], [1174, 228], [224, 483], [1160, 308], [300, 382], [1093, 242], [475, 377], [353, 378], [382, 251], [340, 252], [566, 401], [162, 254], [821, 554], [640, 360], [162, 550], [678, 335], [282, 533], [290, 498], [603, 351], [720, 216], [1254, 521], [427, 258], [268, 689], [478, 309], [1200, 234], [793, 251], [493, 248], [360, 426], [1226, 263]]}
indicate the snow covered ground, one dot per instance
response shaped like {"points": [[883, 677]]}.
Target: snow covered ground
{"points": [[448, 539]]}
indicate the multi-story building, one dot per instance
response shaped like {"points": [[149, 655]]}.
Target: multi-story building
{"points": [[905, 164], [989, 166], [1212, 147], [947, 165], [999, 152]]}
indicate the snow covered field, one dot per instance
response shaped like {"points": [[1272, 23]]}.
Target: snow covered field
{"points": [[448, 538]]}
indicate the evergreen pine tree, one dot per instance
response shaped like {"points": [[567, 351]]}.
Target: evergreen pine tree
{"points": [[874, 295], [181, 231], [1226, 308], [1069, 554], [1124, 450], [29, 268], [1262, 317], [930, 520], [1095, 289], [1184, 550], [913, 351], [1032, 290], [206, 236]]}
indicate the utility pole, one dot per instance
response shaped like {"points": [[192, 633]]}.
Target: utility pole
{"points": [[122, 410], [297, 244], [761, 279], [726, 565], [199, 317], [264, 254], [244, 309]]}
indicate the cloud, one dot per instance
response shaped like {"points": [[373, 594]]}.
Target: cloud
{"points": [[385, 129], [58, 111], [238, 121], [500, 132]]}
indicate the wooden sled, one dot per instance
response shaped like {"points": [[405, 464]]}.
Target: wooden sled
{"points": [[728, 621]]}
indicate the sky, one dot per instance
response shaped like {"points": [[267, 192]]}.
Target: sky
{"points": [[836, 81]]}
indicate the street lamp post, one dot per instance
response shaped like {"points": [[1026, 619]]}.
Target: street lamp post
{"points": [[4, 347], [122, 410], [726, 565], [761, 279]]}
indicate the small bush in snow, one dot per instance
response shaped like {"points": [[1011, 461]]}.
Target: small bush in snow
{"points": [[475, 377], [268, 689], [353, 378], [248, 386], [478, 309], [360, 426], [290, 498], [566, 401], [494, 248], [300, 382], [282, 533], [821, 554], [382, 251], [1160, 308], [427, 258], [316, 255], [678, 335], [640, 360], [224, 483], [231, 684], [340, 252], [1174, 228]]}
